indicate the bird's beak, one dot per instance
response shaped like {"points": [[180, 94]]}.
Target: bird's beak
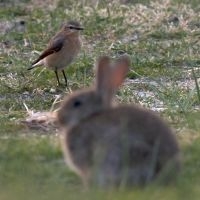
{"points": [[79, 28]]}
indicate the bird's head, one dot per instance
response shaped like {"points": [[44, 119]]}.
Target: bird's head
{"points": [[72, 27]]}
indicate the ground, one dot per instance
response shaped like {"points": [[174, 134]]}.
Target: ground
{"points": [[162, 39]]}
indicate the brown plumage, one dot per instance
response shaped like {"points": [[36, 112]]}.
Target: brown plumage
{"points": [[61, 50]]}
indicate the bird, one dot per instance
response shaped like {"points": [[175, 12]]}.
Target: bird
{"points": [[61, 50]]}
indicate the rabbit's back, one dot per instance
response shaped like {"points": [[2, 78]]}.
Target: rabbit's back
{"points": [[123, 145]]}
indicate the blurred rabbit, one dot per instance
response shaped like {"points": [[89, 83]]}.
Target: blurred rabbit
{"points": [[112, 145]]}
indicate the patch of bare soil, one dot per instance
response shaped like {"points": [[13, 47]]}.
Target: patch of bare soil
{"points": [[47, 4]]}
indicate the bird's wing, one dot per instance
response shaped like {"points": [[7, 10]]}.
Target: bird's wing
{"points": [[54, 46]]}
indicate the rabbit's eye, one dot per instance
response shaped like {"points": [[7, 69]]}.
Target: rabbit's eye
{"points": [[77, 103]]}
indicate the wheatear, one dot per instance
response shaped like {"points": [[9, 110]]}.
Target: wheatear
{"points": [[61, 50]]}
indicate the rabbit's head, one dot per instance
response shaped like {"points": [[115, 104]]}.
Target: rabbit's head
{"points": [[85, 103]]}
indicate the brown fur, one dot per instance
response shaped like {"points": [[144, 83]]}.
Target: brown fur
{"points": [[111, 146]]}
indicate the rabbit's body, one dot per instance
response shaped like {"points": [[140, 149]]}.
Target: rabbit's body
{"points": [[111, 145], [131, 147]]}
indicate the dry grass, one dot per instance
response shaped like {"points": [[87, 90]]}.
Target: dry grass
{"points": [[162, 39]]}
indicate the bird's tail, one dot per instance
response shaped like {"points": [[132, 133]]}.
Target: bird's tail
{"points": [[41, 62]]}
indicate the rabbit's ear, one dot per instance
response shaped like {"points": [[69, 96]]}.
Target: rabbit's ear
{"points": [[119, 71], [110, 76], [103, 73]]}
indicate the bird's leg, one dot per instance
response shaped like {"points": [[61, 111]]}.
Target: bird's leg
{"points": [[56, 72], [66, 82]]}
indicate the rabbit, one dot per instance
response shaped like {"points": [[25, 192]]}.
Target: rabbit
{"points": [[111, 145]]}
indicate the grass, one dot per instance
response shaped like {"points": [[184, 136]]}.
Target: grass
{"points": [[165, 70]]}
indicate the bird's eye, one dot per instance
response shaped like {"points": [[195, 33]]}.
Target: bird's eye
{"points": [[77, 103], [71, 27]]}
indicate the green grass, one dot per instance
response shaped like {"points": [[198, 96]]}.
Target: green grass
{"points": [[165, 62]]}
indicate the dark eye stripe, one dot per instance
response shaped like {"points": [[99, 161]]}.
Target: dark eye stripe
{"points": [[74, 27]]}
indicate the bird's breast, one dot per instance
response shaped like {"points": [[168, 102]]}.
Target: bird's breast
{"points": [[64, 57]]}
